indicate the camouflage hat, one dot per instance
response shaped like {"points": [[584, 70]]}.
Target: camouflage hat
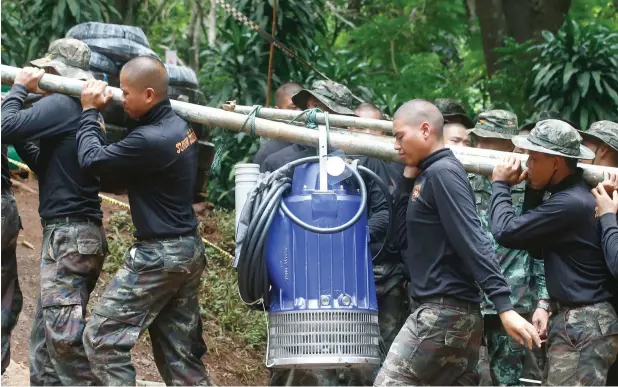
{"points": [[454, 111], [500, 124], [546, 115], [606, 131], [335, 96], [69, 57], [554, 137]]}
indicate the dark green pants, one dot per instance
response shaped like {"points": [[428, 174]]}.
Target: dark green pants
{"points": [[582, 345], [438, 345], [71, 259], [508, 360], [11, 293], [155, 290]]}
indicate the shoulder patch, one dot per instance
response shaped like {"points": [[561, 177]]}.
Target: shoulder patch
{"points": [[416, 191]]}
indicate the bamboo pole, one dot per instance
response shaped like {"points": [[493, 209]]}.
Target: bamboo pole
{"points": [[334, 119], [480, 161]]}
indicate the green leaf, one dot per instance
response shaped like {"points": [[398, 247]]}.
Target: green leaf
{"points": [[596, 75], [569, 70], [574, 101], [583, 80], [541, 73], [550, 75], [583, 118], [612, 93], [548, 36], [74, 7]]}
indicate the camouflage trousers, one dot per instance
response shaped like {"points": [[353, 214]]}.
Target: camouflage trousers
{"points": [[11, 293], [72, 256], [393, 309], [156, 290], [612, 375], [582, 345], [438, 345], [508, 360]]}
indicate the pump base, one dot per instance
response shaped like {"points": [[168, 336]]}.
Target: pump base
{"points": [[323, 339]]}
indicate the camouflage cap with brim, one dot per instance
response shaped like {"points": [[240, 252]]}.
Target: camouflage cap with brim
{"points": [[545, 115], [605, 131], [69, 57], [453, 111], [554, 137], [501, 124], [336, 97]]}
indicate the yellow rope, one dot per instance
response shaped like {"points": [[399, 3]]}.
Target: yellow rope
{"points": [[126, 206]]}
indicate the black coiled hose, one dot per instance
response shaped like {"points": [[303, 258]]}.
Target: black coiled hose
{"points": [[253, 282]]}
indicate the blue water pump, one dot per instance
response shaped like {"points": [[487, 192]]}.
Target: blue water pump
{"points": [[305, 259]]}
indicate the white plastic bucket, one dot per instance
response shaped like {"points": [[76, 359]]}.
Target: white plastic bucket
{"points": [[246, 178]]}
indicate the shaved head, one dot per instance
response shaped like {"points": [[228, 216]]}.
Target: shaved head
{"points": [[367, 110], [144, 82], [284, 94], [418, 126], [147, 72], [417, 111]]}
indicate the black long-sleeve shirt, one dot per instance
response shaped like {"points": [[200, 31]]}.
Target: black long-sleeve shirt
{"points": [[609, 241], [563, 231], [441, 237], [64, 188], [376, 201], [268, 148], [159, 161]]}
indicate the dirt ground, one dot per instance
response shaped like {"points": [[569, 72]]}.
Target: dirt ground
{"points": [[224, 359]]}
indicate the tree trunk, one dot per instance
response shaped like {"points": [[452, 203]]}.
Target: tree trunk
{"points": [[194, 36], [521, 20], [212, 24]]}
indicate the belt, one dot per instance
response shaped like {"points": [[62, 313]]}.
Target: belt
{"points": [[168, 237], [557, 305], [450, 301], [69, 220]]}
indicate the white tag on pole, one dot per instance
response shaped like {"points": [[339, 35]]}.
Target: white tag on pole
{"points": [[171, 57]]}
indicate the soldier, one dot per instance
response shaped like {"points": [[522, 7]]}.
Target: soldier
{"points": [[447, 254], [562, 230], [453, 112], [74, 244], [455, 134], [157, 287], [494, 130], [367, 110], [283, 100], [11, 293], [602, 139]]}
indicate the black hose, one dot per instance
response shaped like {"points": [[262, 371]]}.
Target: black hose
{"points": [[253, 282], [391, 210]]}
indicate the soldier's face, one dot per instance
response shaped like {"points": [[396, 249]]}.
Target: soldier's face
{"points": [[496, 144], [410, 142], [286, 103], [541, 169], [135, 101], [455, 135], [313, 102]]}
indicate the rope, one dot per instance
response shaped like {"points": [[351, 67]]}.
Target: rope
{"points": [[223, 147], [126, 206]]}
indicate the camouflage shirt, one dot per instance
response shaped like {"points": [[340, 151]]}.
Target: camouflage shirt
{"points": [[525, 275]]}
